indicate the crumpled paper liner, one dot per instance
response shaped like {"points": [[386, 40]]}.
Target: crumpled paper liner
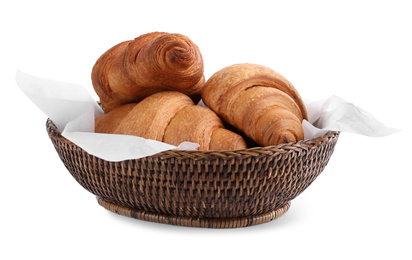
{"points": [[336, 114], [72, 109]]}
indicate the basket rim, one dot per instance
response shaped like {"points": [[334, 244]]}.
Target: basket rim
{"points": [[253, 151]]}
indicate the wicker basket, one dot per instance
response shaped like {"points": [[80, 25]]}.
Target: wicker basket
{"points": [[217, 189]]}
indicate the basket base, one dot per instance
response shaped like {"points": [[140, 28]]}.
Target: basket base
{"points": [[194, 222]]}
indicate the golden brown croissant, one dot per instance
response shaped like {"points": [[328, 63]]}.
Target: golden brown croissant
{"points": [[258, 101], [173, 118], [115, 117], [133, 70]]}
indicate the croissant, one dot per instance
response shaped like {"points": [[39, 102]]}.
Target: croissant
{"points": [[170, 117], [133, 70], [258, 101]]}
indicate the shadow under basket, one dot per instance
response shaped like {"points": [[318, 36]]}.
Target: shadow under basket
{"points": [[214, 189]]}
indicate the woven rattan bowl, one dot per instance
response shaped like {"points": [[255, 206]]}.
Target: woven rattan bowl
{"points": [[218, 189]]}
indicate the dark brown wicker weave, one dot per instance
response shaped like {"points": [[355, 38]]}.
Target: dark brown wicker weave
{"points": [[218, 189]]}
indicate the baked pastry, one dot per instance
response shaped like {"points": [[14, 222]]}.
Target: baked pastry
{"points": [[133, 70], [258, 101], [115, 117], [173, 118]]}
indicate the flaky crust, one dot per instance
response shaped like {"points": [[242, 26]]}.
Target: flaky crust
{"points": [[133, 70], [152, 115], [173, 118], [223, 139], [220, 87], [193, 124], [115, 117], [258, 101]]}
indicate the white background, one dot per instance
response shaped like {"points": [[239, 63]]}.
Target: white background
{"points": [[358, 208]]}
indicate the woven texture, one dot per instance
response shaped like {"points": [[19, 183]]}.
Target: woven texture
{"points": [[218, 185], [194, 221]]}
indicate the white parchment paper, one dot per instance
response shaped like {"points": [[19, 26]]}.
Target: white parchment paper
{"points": [[336, 114], [73, 110]]}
